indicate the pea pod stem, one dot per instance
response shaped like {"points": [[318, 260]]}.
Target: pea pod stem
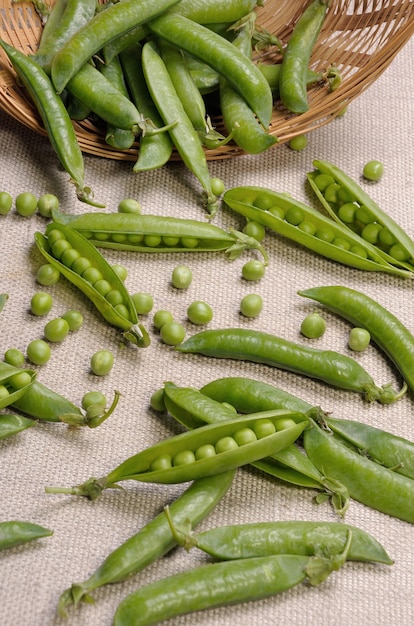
{"points": [[256, 346]]}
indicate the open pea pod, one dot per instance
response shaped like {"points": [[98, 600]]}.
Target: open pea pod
{"points": [[14, 382], [205, 451], [157, 233], [84, 266], [306, 226], [348, 204]]}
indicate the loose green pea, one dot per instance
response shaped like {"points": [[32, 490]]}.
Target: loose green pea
{"points": [[26, 204], [121, 271], [6, 202], [47, 203], [102, 362], [251, 305], [92, 398], [74, 319], [38, 352], [225, 444], [161, 317], [41, 303], [373, 170], [185, 457], [217, 186], [181, 277], [205, 452], [14, 357], [313, 326], [47, 275], [199, 312], [298, 143], [157, 401], [56, 330], [255, 230], [253, 270], [143, 302], [172, 333], [359, 339], [129, 205]]}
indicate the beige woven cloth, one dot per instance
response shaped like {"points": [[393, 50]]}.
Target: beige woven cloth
{"points": [[379, 124]]}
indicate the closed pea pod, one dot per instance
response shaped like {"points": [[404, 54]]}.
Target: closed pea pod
{"points": [[119, 138], [385, 329], [16, 532], [256, 346], [157, 463], [124, 318], [306, 226]]}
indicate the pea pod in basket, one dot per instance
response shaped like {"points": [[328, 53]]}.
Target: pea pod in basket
{"points": [[84, 266], [157, 233], [14, 382], [205, 451], [306, 226]]}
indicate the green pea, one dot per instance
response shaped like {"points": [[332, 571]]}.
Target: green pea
{"points": [[307, 227], [298, 143], [38, 352], [359, 251], [331, 193], [102, 362], [4, 392], [189, 242], [129, 205], [69, 256], [359, 339], [346, 212], [346, 195], [199, 312], [386, 238], [6, 202], [313, 326], [163, 462], [205, 452], [181, 277], [373, 170], [244, 436], [255, 230], [157, 401], [294, 215], [170, 241], [152, 241], [122, 310], [118, 237], [135, 239], [161, 317], [92, 275], [20, 380], [54, 235], [143, 302], [185, 457], [283, 423], [325, 234], [47, 203], [323, 181], [172, 333], [102, 286], [277, 211], [398, 253], [371, 231], [364, 215], [251, 305], [341, 242], [263, 201], [56, 330], [14, 357], [80, 265], [121, 271], [74, 319], [41, 303], [101, 236], [264, 428], [59, 247], [26, 204], [253, 270], [47, 275], [114, 297], [225, 444]]}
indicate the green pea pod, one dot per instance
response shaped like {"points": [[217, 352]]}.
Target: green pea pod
{"points": [[307, 538], [11, 425], [122, 315], [390, 239], [331, 367], [214, 11], [385, 329], [14, 383], [307, 227], [15, 532], [157, 233], [271, 71], [3, 299], [119, 138], [152, 541], [368, 482], [182, 458]]}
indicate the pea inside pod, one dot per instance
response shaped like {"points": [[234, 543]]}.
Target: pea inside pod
{"points": [[14, 382], [206, 451], [84, 266]]}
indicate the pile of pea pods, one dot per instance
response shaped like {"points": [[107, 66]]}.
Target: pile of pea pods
{"points": [[145, 72]]}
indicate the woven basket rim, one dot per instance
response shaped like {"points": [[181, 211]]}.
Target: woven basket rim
{"points": [[360, 38]]}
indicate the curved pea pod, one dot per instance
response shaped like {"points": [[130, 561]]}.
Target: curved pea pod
{"points": [[328, 366], [16, 532], [307, 538], [14, 383], [386, 330], [362, 214], [11, 425], [306, 226], [368, 482], [206, 451], [122, 314], [157, 233]]}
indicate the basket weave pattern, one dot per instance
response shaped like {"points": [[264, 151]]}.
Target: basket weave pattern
{"points": [[359, 37]]}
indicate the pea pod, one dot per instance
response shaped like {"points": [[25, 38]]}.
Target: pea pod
{"points": [[307, 538], [117, 308], [14, 383], [3, 299], [214, 11], [386, 330], [157, 233], [152, 541], [368, 482], [256, 346], [206, 451], [11, 424], [306, 226], [348, 204], [16, 532], [119, 138]]}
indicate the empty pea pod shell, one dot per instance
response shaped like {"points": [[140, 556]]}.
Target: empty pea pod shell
{"points": [[126, 319], [11, 425], [313, 230], [12, 393]]}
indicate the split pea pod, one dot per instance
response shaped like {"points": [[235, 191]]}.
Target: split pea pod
{"points": [[83, 265], [16, 532], [56, 120], [347, 203], [157, 233], [11, 424], [296, 57], [152, 541], [100, 30], [368, 482], [306, 226], [14, 383], [206, 451], [386, 330], [331, 367]]}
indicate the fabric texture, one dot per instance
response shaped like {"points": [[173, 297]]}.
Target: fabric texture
{"points": [[378, 125]]}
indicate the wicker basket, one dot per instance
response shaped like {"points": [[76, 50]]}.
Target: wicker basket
{"points": [[359, 37]]}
